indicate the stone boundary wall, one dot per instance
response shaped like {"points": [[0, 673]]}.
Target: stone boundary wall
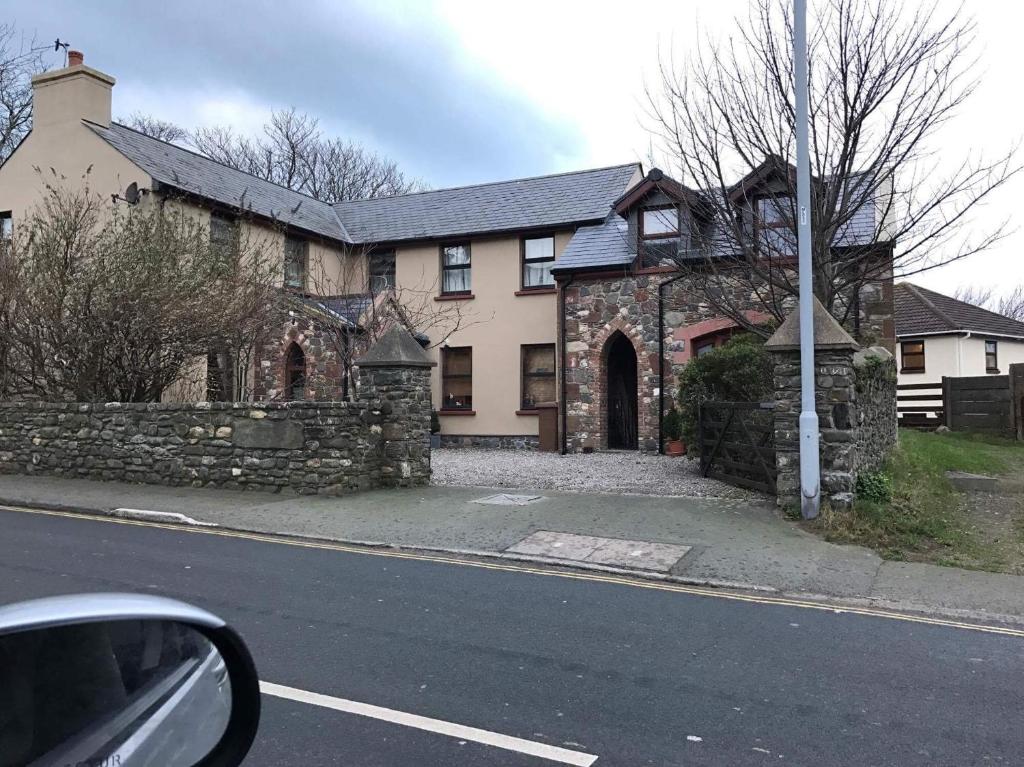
{"points": [[492, 441], [856, 405], [382, 440]]}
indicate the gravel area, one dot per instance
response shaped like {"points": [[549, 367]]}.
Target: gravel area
{"points": [[613, 472]]}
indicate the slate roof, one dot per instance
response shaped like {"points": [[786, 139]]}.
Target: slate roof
{"points": [[594, 247], [919, 311], [191, 172], [528, 203]]}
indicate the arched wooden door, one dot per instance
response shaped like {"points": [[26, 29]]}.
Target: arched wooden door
{"points": [[621, 392], [295, 373]]}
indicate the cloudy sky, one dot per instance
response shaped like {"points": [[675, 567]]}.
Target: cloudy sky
{"points": [[461, 91]]}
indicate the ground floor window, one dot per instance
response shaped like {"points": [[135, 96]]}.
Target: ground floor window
{"points": [[538, 366], [991, 357], [457, 378], [912, 357]]}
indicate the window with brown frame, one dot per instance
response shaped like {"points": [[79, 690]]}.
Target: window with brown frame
{"points": [[456, 270], [457, 378], [6, 227], [538, 258], [912, 356], [295, 263], [382, 271], [991, 357], [658, 222], [538, 366]]}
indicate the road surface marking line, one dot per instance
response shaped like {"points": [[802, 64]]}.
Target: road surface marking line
{"points": [[462, 732], [679, 588]]}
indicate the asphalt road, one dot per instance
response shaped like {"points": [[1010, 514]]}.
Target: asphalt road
{"points": [[633, 675]]}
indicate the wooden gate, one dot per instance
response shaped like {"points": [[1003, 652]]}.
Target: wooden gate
{"points": [[920, 405], [737, 443]]}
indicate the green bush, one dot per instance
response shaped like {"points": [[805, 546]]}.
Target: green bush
{"points": [[738, 371], [874, 486], [672, 424]]}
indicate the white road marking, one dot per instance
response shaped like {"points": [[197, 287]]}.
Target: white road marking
{"points": [[507, 742]]}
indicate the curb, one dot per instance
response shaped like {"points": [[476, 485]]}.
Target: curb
{"points": [[838, 603]]}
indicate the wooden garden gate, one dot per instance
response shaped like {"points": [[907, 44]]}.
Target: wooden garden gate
{"points": [[737, 443]]}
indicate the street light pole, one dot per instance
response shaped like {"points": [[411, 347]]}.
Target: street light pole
{"points": [[810, 481]]}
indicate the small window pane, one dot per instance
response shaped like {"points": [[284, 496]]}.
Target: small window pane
{"points": [[538, 274], [912, 353], [6, 226], [456, 255], [539, 359], [991, 357], [456, 281], [538, 390], [539, 248], [659, 222], [775, 211]]}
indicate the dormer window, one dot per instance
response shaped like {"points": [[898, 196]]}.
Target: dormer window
{"points": [[775, 212], [659, 223]]}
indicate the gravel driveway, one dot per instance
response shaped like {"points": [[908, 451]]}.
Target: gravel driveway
{"points": [[595, 473]]}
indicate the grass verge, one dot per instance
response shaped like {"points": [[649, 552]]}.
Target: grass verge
{"points": [[926, 519]]}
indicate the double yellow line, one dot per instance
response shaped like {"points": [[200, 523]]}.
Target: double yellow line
{"points": [[505, 566]]}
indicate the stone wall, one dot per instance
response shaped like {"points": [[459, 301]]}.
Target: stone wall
{"points": [[855, 399], [382, 439], [598, 307], [492, 441], [875, 384]]}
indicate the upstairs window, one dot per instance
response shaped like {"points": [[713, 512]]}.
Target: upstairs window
{"points": [[382, 272], [295, 263], [222, 231], [991, 357], [6, 227], [538, 258], [457, 378], [658, 223], [538, 375], [456, 270], [912, 355], [774, 212]]}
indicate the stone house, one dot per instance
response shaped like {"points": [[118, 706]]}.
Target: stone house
{"points": [[560, 284]]}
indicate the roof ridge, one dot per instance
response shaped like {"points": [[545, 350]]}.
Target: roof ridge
{"points": [[974, 307], [490, 183], [210, 159], [916, 292]]}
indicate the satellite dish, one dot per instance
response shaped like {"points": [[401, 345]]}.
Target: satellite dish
{"points": [[131, 194]]}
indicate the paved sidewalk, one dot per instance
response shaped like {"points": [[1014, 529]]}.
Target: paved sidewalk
{"points": [[705, 540]]}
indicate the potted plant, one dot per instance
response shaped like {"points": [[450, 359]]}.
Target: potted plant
{"points": [[435, 430], [672, 429]]}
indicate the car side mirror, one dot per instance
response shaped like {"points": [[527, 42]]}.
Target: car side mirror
{"points": [[123, 680]]}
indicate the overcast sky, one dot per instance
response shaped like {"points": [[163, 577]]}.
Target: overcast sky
{"points": [[466, 91]]}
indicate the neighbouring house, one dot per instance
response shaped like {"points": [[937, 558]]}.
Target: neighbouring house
{"points": [[943, 336], [561, 282]]}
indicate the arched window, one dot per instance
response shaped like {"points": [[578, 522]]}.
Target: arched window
{"points": [[295, 373]]}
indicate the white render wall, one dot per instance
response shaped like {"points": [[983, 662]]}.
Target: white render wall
{"points": [[958, 355]]}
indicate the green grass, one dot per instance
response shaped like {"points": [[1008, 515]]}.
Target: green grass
{"points": [[926, 518]]}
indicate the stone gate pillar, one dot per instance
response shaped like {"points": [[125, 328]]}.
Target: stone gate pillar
{"points": [[396, 373], [836, 404]]}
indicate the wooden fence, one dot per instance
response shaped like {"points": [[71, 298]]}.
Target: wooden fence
{"points": [[978, 403], [920, 406]]}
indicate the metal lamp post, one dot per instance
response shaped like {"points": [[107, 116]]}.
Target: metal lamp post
{"points": [[810, 480]]}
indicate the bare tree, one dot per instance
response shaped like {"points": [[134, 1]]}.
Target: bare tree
{"points": [[157, 128], [20, 58], [294, 152], [104, 304], [372, 305], [884, 78], [1009, 304]]}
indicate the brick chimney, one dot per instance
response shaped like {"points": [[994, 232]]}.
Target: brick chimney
{"points": [[70, 94]]}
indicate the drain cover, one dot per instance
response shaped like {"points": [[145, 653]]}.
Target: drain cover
{"points": [[507, 499]]}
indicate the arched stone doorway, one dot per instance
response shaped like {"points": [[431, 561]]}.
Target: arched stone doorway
{"points": [[621, 393]]}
